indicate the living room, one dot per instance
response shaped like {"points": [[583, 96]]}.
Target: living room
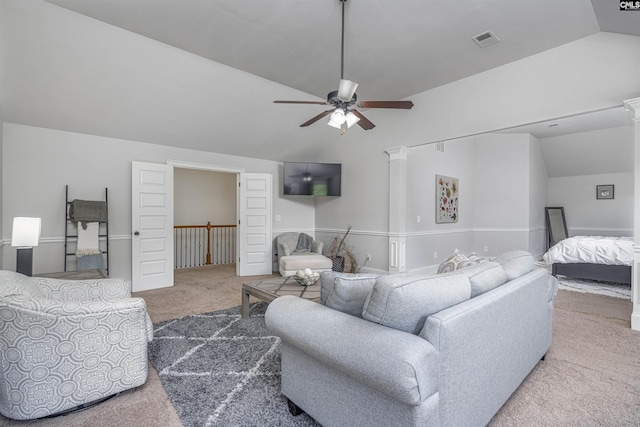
{"points": [[81, 100]]}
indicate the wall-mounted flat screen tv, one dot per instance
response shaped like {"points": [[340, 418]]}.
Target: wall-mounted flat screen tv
{"points": [[312, 179]]}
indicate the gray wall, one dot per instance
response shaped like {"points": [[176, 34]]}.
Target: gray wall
{"points": [[88, 164], [204, 196]]}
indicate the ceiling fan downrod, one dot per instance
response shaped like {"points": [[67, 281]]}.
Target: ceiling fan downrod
{"points": [[342, 42]]}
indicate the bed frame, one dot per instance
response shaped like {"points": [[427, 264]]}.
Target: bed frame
{"points": [[603, 272]]}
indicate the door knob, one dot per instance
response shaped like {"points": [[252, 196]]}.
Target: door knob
{"points": [[136, 233]]}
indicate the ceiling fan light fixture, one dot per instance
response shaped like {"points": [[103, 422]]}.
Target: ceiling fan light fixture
{"points": [[351, 119], [337, 117], [346, 89]]}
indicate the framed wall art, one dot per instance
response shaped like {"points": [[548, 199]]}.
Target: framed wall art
{"points": [[604, 191], [447, 190]]}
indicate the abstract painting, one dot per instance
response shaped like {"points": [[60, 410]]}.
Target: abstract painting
{"points": [[447, 190]]}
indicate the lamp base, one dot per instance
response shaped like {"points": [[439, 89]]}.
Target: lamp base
{"points": [[24, 262]]}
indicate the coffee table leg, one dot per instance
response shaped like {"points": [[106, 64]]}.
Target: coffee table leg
{"points": [[245, 304]]}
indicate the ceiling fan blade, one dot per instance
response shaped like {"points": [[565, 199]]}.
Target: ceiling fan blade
{"points": [[363, 122], [346, 89], [406, 105], [316, 118], [301, 102]]}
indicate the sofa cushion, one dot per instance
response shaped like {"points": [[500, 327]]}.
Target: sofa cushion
{"points": [[515, 263], [404, 302], [484, 277], [302, 260], [346, 292]]}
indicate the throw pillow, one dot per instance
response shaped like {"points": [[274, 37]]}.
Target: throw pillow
{"points": [[455, 261], [349, 293]]}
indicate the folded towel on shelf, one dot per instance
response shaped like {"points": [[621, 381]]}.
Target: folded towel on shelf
{"points": [[88, 240], [86, 211]]}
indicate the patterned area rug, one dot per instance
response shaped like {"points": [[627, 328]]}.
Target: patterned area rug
{"points": [[220, 369], [612, 289]]}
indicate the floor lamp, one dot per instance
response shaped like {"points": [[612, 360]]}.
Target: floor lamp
{"points": [[26, 235]]}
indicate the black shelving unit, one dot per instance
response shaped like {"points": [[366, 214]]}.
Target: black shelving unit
{"points": [[71, 231]]}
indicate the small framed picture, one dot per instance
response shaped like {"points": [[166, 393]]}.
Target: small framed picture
{"points": [[604, 191]]}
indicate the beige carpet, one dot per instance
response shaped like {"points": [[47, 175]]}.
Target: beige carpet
{"points": [[591, 376]]}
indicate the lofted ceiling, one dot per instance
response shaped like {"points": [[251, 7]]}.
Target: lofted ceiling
{"points": [[393, 48]]}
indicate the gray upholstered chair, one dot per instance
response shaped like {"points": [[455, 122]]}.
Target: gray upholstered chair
{"points": [[68, 343], [290, 260]]}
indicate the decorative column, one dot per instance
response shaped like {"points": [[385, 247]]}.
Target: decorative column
{"points": [[397, 208], [633, 105]]}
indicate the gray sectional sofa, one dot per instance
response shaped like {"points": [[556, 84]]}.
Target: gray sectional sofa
{"points": [[405, 350]]}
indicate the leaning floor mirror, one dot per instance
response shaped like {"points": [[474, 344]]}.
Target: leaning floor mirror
{"points": [[556, 225]]}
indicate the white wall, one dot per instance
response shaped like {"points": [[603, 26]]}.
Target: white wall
{"points": [[573, 78], [501, 196], [204, 196], [37, 163], [428, 242], [538, 179], [612, 149], [587, 215]]}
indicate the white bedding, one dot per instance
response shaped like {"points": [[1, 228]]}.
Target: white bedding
{"points": [[592, 249]]}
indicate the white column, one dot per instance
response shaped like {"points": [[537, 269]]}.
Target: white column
{"points": [[397, 208], [633, 105]]}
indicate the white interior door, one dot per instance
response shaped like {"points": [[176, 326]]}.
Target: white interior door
{"points": [[152, 226], [254, 213]]}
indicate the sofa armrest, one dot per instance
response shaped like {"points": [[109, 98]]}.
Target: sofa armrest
{"points": [[401, 365], [110, 288]]}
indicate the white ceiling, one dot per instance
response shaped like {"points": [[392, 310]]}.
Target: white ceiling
{"points": [[394, 49]]}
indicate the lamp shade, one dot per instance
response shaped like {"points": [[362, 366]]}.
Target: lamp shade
{"points": [[351, 119], [26, 232]]}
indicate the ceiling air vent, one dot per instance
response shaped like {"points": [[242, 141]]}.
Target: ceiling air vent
{"points": [[486, 39]]}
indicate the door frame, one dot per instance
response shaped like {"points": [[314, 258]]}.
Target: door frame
{"points": [[215, 168]]}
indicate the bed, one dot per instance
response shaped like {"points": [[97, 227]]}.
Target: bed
{"points": [[601, 258]]}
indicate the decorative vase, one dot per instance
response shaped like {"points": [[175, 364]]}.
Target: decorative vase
{"points": [[338, 264]]}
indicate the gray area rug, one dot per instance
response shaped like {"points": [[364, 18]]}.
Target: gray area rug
{"points": [[220, 369], [612, 289]]}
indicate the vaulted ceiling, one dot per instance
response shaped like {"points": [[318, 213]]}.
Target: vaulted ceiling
{"points": [[393, 48]]}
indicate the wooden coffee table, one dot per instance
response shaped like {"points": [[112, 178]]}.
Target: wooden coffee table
{"points": [[272, 288]]}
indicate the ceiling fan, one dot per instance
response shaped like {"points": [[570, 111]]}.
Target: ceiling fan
{"points": [[343, 116]]}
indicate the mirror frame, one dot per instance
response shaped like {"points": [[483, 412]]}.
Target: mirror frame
{"points": [[550, 238]]}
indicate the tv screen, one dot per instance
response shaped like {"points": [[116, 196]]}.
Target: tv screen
{"points": [[312, 179]]}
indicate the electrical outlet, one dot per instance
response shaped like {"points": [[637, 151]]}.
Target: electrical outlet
{"points": [[435, 255], [368, 258], [486, 248]]}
